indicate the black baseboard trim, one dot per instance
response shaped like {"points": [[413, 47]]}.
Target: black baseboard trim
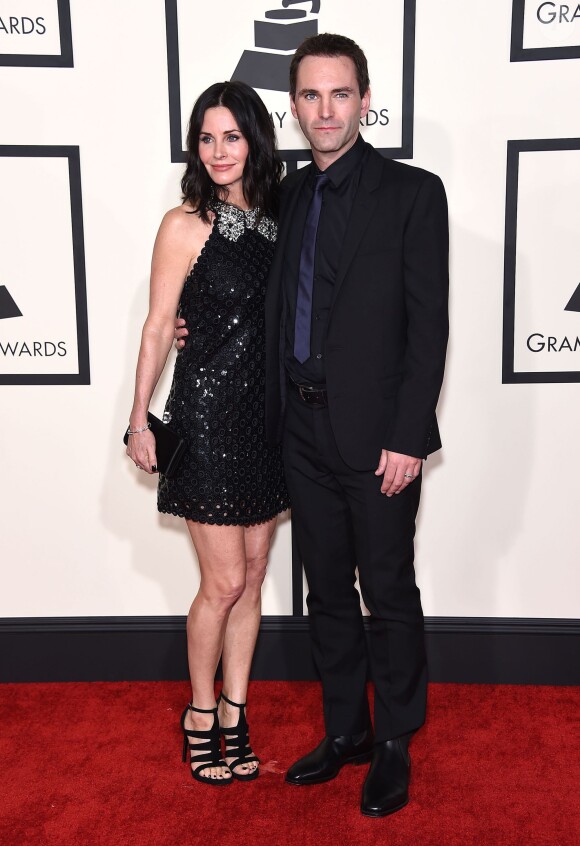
{"points": [[461, 650]]}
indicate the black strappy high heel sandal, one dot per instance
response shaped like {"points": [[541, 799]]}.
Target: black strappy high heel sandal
{"points": [[237, 740], [205, 754]]}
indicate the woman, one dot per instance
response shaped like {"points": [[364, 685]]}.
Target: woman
{"points": [[210, 262]]}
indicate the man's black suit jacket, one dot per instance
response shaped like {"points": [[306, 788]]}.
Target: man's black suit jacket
{"points": [[388, 325]]}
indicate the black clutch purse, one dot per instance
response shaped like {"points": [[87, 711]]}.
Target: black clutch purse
{"points": [[169, 447]]}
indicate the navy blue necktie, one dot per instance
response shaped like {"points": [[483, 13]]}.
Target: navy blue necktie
{"points": [[306, 273]]}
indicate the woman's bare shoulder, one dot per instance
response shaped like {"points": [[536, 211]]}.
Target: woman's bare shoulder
{"points": [[180, 240], [182, 232], [183, 222]]}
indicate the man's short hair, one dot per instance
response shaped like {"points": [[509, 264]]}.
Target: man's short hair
{"points": [[328, 44]]}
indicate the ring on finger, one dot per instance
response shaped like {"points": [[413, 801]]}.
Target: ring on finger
{"points": [[408, 476]]}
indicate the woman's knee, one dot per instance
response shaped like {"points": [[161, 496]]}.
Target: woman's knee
{"points": [[256, 568], [224, 592]]}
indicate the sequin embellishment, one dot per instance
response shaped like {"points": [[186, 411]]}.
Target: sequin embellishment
{"points": [[229, 475]]}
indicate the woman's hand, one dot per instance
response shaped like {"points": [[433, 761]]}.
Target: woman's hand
{"points": [[180, 333], [141, 450]]}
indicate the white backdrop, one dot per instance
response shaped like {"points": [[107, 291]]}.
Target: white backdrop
{"points": [[498, 531]]}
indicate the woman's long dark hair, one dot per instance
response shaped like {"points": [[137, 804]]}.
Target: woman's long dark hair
{"points": [[263, 168]]}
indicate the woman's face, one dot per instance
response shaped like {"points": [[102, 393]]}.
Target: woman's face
{"points": [[223, 150]]}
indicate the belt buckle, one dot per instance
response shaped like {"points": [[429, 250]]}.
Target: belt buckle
{"points": [[312, 396]]}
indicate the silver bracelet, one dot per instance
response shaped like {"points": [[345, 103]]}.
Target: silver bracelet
{"points": [[137, 431]]}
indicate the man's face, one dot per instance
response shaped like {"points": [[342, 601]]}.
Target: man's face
{"points": [[328, 105]]}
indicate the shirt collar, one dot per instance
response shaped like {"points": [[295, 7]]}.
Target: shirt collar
{"points": [[339, 170]]}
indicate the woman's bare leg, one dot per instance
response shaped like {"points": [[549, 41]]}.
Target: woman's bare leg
{"points": [[242, 627], [221, 552]]}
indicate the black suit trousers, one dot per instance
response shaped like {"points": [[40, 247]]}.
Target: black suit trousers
{"points": [[342, 521]]}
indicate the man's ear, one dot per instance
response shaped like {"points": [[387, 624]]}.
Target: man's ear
{"points": [[293, 107], [365, 103]]}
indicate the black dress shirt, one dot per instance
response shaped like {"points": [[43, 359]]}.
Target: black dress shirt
{"points": [[338, 199]]}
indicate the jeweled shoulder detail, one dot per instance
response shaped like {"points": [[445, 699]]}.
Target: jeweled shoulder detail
{"points": [[268, 228], [232, 221]]}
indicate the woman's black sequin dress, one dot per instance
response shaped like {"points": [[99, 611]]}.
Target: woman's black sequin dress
{"points": [[229, 476]]}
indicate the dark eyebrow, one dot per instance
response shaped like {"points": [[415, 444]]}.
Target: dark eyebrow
{"points": [[345, 89], [227, 132]]}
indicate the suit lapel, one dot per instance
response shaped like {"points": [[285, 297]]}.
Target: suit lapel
{"points": [[363, 208], [274, 284], [275, 308], [289, 205]]}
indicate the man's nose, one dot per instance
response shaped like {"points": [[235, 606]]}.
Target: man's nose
{"points": [[325, 107]]}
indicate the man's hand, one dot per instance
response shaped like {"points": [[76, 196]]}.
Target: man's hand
{"points": [[180, 333], [398, 471]]}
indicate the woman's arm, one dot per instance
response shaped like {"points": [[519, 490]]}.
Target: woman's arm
{"points": [[179, 242]]}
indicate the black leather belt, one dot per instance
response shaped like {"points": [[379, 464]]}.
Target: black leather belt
{"points": [[309, 395]]}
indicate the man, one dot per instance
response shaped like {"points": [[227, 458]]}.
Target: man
{"points": [[356, 314], [356, 334]]}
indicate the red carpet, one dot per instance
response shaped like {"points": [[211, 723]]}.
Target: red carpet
{"points": [[100, 764]]}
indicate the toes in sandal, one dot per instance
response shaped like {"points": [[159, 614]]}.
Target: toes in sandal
{"points": [[207, 753], [237, 740]]}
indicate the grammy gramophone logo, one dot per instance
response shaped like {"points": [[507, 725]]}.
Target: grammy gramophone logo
{"points": [[546, 342], [574, 303], [8, 307], [276, 39]]}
